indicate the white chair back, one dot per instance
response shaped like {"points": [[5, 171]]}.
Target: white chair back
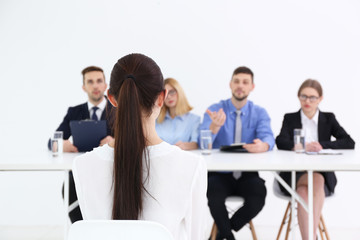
{"points": [[277, 191], [118, 230]]}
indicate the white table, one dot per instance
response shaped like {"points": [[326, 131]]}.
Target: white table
{"points": [[279, 160], [218, 161], [41, 161]]}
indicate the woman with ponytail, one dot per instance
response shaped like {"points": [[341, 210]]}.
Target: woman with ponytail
{"points": [[139, 176]]}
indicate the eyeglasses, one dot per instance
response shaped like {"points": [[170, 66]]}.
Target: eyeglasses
{"points": [[172, 92], [311, 98]]}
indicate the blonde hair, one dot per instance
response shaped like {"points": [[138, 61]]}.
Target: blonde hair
{"points": [[182, 105]]}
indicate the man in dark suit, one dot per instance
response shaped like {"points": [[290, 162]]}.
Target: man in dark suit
{"points": [[97, 108]]}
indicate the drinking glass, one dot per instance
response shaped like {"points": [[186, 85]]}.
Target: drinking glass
{"points": [[57, 143], [205, 142], [299, 140]]}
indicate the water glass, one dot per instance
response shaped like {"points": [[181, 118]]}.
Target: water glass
{"points": [[299, 140], [57, 143], [205, 141]]}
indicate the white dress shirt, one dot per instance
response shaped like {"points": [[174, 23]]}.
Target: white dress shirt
{"points": [[310, 127], [99, 111], [177, 184]]}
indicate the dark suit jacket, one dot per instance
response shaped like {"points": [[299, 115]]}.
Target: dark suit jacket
{"points": [[81, 112], [327, 126]]}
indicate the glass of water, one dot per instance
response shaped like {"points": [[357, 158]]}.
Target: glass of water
{"points": [[205, 141], [57, 143], [299, 140]]}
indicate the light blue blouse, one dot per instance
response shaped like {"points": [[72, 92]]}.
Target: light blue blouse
{"points": [[183, 128]]}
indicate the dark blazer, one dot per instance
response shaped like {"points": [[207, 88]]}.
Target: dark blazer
{"points": [[327, 126], [81, 112]]}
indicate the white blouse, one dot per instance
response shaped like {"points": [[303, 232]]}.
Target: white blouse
{"points": [[177, 181], [310, 127]]}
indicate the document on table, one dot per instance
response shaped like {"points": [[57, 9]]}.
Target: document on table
{"points": [[325, 152]]}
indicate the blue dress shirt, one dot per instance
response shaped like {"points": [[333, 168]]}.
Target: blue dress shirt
{"points": [[183, 128], [255, 124]]}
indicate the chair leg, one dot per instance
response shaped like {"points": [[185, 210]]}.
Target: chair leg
{"points": [[321, 231], [288, 227], [213, 232], [324, 229], [252, 230], [283, 222]]}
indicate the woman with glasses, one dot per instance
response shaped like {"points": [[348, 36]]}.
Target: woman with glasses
{"points": [[175, 124], [319, 128]]}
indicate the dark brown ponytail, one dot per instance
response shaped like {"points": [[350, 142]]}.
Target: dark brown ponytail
{"points": [[136, 81]]}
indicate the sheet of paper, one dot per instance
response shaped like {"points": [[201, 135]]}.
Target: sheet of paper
{"points": [[329, 151], [325, 152]]}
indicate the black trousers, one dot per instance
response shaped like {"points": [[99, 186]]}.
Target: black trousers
{"points": [[221, 185], [75, 215]]}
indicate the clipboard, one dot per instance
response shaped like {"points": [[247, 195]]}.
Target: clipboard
{"points": [[236, 147], [87, 134]]}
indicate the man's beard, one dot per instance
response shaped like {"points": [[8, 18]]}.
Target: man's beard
{"points": [[239, 99], [97, 99]]}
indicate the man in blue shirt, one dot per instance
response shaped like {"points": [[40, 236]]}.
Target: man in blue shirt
{"points": [[237, 120]]}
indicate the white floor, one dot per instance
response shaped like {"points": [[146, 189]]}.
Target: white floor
{"points": [[56, 233]]}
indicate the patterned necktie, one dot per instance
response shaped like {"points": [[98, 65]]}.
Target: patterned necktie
{"points": [[238, 127], [94, 116]]}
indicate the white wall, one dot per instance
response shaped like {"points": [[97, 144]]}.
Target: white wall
{"points": [[44, 45]]}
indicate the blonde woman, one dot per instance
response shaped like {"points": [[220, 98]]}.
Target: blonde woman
{"points": [[175, 124]]}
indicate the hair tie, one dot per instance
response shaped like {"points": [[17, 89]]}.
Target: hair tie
{"points": [[130, 76]]}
